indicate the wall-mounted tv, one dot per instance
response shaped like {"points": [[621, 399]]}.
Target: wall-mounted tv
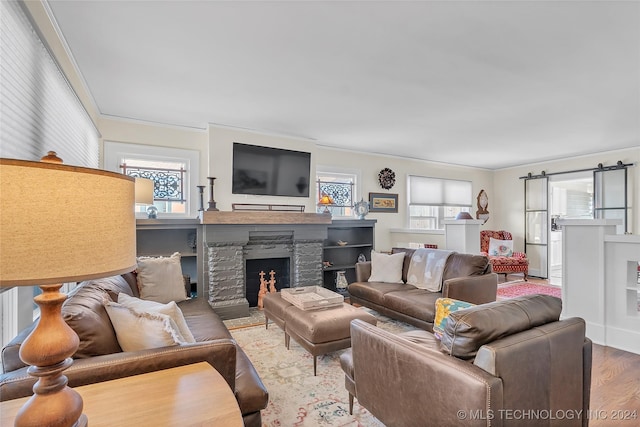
{"points": [[270, 171]]}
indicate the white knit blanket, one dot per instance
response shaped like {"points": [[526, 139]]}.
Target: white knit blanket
{"points": [[426, 268]]}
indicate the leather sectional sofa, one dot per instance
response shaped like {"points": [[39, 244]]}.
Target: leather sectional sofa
{"points": [[505, 363], [466, 277], [100, 358]]}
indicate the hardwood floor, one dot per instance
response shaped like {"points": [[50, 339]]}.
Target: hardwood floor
{"points": [[615, 388], [615, 382]]}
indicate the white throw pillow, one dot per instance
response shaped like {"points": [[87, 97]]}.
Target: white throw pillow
{"points": [[171, 309], [160, 279], [500, 247], [386, 268], [140, 331]]}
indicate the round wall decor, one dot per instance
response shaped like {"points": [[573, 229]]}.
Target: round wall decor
{"points": [[387, 178]]}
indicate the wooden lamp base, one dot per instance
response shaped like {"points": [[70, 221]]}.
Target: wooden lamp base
{"points": [[48, 349]]}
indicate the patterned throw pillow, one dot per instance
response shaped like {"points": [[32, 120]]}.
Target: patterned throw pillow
{"points": [[500, 247], [444, 307]]}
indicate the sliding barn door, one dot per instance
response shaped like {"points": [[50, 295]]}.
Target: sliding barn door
{"points": [[536, 225], [610, 196]]}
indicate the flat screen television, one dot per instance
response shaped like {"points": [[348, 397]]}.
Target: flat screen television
{"points": [[270, 171]]}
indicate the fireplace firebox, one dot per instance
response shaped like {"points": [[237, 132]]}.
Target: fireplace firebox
{"points": [[279, 266]]}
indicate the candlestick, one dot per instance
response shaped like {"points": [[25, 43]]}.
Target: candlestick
{"points": [[212, 202], [201, 190]]}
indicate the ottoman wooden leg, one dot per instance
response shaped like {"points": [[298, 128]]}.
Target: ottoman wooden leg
{"points": [[350, 404], [315, 364], [287, 340]]}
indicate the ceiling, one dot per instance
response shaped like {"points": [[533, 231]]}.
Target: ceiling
{"points": [[489, 84]]}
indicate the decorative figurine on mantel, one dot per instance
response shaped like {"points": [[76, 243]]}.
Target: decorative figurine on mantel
{"points": [[212, 202]]}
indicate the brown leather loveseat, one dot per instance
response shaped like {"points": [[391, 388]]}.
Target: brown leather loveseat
{"points": [[506, 363], [466, 277], [100, 358]]}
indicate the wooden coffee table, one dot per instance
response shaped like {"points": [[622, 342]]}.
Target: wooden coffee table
{"points": [[188, 395]]}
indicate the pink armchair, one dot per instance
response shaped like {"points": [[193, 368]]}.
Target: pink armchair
{"points": [[516, 263]]}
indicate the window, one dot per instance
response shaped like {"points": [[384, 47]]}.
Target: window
{"points": [[340, 186], [432, 200], [168, 179], [174, 172]]}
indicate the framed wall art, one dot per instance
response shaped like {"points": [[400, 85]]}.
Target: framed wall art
{"points": [[383, 202]]}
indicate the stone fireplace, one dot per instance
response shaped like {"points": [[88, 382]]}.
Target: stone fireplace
{"points": [[233, 248]]}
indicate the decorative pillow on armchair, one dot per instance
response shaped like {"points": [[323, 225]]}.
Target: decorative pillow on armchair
{"points": [[444, 307], [500, 247], [386, 268], [160, 279]]}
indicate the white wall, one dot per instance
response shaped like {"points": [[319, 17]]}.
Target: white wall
{"points": [[134, 132], [508, 206], [389, 225], [504, 187], [220, 165]]}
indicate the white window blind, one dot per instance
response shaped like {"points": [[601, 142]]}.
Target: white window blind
{"points": [[439, 192], [39, 111]]}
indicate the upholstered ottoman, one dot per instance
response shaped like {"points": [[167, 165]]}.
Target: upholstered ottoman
{"points": [[323, 330], [274, 309]]}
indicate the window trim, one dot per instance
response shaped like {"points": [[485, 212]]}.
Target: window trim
{"points": [[115, 151], [331, 170]]}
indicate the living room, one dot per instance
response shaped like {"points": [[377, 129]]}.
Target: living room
{"points": [[212, 146]]}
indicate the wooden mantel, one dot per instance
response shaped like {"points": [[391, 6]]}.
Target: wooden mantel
{"points": [[259, 217]]}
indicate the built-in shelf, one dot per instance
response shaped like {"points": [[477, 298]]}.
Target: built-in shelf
{"points": [[359, 235], [164, 237]]}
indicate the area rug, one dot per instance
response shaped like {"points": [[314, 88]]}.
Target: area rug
{"points": [[516, 289], [296, 397]]}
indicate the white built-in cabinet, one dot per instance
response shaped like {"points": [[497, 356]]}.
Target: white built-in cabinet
{"points": [[463, 235], [600, 281]]}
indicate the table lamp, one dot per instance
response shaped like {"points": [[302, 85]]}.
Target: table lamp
{"points": [[325, 201], [60, 224], [144, 192]]}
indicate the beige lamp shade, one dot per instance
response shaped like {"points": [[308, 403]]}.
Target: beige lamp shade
{"points": [[62, 223], [144, 191]]}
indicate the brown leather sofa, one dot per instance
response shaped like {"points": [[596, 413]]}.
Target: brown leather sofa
{"points": [[506, 363], [100, 358], [466, 277]]}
